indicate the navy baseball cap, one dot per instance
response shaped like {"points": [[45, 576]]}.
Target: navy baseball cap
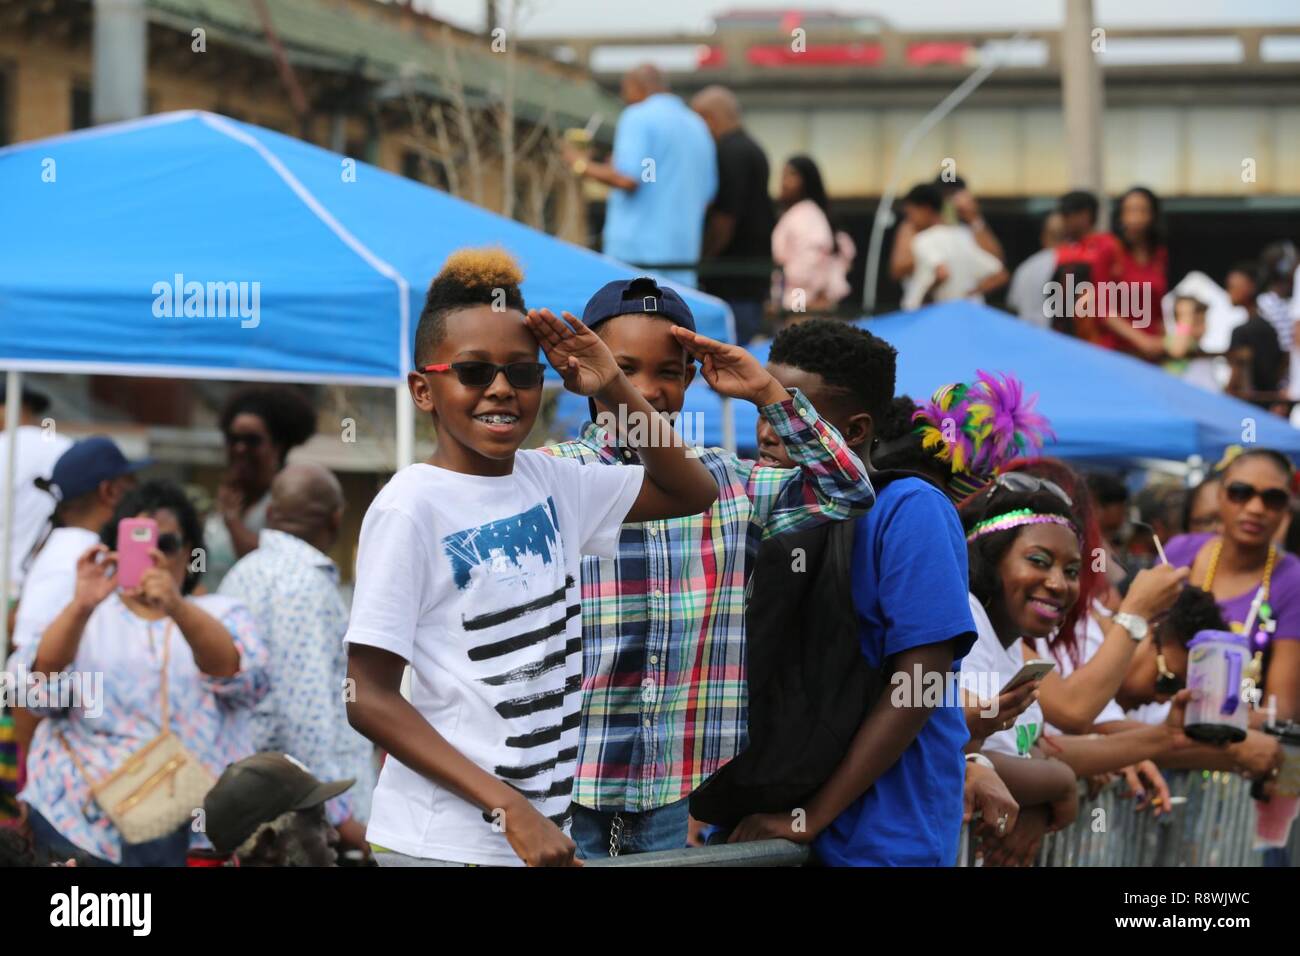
{"points": [[635, 296], [83, 466]]}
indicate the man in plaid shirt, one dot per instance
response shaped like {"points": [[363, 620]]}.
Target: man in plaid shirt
{"points": [[664, 697]]}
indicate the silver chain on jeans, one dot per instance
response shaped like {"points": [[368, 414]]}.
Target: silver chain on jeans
{"points": [[615, 834]]}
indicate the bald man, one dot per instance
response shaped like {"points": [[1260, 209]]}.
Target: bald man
{"points": [[738, 230], [662, 176], [291, 585]]}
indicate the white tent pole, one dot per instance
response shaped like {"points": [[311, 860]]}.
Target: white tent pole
{"points": [[728, 426], [405, 427], [13, 411]]}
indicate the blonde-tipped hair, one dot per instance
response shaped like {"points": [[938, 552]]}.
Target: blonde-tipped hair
{"points": [[490, 266], [469, 277]]}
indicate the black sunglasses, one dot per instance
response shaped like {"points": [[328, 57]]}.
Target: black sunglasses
{"points": [[1240, 492], [483, 374], [169, 543], [1021, 483], [251, 439]]}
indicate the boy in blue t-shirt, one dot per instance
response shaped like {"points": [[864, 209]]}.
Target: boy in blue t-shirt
{"points": [[896, 797]]}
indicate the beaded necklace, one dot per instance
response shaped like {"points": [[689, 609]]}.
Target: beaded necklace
{"points": [[1208, 584], [1266, 625]]}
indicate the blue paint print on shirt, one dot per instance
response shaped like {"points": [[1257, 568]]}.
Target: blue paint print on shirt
{"points": [[506, 545]]}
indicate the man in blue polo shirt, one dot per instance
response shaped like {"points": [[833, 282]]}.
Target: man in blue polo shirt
{"points": [[663, 174]]}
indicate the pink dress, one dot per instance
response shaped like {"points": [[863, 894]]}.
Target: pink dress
{"points": [[814, 260]]}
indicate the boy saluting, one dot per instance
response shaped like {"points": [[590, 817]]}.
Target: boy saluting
{"points": [[663, 692], [467, 569]]}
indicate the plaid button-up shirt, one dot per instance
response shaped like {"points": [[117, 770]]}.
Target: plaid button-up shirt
{"points": [[664, 702]]}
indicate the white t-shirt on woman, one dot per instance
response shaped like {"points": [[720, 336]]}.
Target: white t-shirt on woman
{"points": [[986, 670]]}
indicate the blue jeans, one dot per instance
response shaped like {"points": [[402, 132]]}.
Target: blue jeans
{"points": [[170, 850], [663, 828]]}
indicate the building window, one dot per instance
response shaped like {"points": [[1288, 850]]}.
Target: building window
{"points": [[424, 169]]}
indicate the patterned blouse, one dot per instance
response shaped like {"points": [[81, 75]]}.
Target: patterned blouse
{"points": [[292, 590], [108, 704]]}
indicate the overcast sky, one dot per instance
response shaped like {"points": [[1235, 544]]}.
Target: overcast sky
{"points": [[550, 17]]}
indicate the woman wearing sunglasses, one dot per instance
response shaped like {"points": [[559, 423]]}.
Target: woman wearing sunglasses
{"points": [[261, 424], [1242, 562], [206, 645]]}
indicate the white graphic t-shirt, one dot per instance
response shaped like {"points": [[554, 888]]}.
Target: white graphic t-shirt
{"points": [[986, 670], [476, 582]]}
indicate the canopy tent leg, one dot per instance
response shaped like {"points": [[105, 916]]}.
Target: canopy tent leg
{"points": [[728, 426], [405, 427], [13, 412]]}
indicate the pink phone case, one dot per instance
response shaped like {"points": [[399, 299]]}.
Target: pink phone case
{"points": [[136, 537]]}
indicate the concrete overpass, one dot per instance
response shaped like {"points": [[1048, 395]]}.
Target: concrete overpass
{"points": [[1198, 113]]}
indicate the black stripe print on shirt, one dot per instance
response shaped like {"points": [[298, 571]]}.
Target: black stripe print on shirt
{"points": [[560, 788], [547, 735], [533, 769], [547, 664], [511, 644], [493, 618], [547, 700]]}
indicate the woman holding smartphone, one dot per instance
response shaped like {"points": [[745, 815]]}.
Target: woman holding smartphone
{"points": [[1025, 550], [136, 653]]}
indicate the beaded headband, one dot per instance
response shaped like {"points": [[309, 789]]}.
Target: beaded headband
{"points": [[1016, 519]]}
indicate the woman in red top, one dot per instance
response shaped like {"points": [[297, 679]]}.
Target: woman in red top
{"points": [[1136, 322]]}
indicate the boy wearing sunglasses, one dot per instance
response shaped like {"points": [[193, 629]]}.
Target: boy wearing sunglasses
{"points": [[468, 569], [664, 696]]}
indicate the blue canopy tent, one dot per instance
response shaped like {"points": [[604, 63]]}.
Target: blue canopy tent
{"points": [[109, 231], [1103, 406], [188, 244]]}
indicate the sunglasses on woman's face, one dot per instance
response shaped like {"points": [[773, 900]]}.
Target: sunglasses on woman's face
{"points": [[169, 543], [483, 374], [1240, 492], [250, 439], [1022, 483]]}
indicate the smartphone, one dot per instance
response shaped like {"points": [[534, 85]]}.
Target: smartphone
{"points": [[136, 537], [1033, 670]]}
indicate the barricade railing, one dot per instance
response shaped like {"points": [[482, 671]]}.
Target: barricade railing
{"points": [[758, 853], [1212, 823]]}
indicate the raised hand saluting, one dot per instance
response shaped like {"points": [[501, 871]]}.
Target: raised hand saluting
{"points": [[730, 370], [577, 353]]}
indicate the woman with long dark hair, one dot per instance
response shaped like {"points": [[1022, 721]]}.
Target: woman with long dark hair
{"points": [[813, 258], [1096, 643], [1243, 567], [1142, 266], [1024, 546]]}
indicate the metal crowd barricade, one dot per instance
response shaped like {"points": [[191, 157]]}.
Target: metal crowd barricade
{"points": [[758, 853], [1212, 824]]}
